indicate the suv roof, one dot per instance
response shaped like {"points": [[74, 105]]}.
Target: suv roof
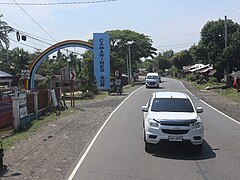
{"points": [[170, 95], [152, 74]]}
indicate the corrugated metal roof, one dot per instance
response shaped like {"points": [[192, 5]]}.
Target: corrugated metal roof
{"points": [[4, 74]]}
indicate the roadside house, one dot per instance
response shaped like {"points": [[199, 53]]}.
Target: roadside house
{"points": [[6, 79]]}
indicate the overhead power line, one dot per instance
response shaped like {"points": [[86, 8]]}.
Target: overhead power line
{"points": [[58, 3], [35, 21], [26, 33], [172, 45], [22, 43], [179, 36], [166, 49], [200, 6]]}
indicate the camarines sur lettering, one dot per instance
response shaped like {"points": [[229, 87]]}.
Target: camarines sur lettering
{"points": [[101, 55]]}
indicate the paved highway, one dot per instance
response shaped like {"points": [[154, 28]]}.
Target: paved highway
{"points": [[118, 151]]}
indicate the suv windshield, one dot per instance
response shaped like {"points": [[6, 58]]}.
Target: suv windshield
{"points": [[171, 105], [152, 77]]}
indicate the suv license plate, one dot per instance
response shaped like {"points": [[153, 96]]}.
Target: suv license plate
{"points": [[175, 138]]}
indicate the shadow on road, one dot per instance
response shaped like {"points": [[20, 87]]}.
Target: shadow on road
{"points": [[115, 94], [4, 170], [182, 151]]}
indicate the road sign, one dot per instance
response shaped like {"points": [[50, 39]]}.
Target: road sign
{"points": [[72, 75], [25, 74], [116, 73]]}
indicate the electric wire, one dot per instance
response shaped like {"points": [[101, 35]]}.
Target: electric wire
{"points": [[59, 3], [160, 50], [172, 45], [43, 30], [35, 21], [24, 32], [200, 6], [179, 36], [23, 44]]}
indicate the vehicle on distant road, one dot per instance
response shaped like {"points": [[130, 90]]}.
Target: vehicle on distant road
{"points": [[152, 80], [172, 116]]}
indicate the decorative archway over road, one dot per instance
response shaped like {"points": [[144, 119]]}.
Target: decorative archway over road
{"points": [[29, 83]]}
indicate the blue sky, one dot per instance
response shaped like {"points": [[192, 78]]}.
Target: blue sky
{"points": [[171, 24]]}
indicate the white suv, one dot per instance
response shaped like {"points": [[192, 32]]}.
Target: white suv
{"points": [[152, 80], [172, 116]]}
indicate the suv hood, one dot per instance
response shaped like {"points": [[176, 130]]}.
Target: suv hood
{"points": [[162, 116], [152, 80]]}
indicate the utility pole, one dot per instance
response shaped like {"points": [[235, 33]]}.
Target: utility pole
{"points": [[127, 69], [225, 27], [226, 70], [6, 45], [130, 64]]}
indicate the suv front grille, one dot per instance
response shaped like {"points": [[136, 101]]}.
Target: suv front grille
{"points": [[151, 83], [175, 123], [170, 131]]}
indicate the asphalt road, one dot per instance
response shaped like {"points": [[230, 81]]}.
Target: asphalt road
{"points": [[118, 152]]}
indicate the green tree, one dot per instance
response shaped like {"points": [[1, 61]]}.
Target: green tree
{"points": [[182, 58], [141, 47], [148, 64], [4, 30], [199, 53], [19, 59], [232, 52], [87, 71], [212, 39], [168, 54], [163, 61]]}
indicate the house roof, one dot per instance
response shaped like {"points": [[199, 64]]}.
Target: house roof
{"points": [[5, 75], [236, 74]]}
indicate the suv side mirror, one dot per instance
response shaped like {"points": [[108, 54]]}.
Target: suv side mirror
{"points": [[199, 109], [144, 109]]}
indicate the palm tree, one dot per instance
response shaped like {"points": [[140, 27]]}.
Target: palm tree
{"points": [[4, 29]]}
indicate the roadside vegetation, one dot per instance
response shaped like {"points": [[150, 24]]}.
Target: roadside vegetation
{"points": [[33, 129], [220, 88]]}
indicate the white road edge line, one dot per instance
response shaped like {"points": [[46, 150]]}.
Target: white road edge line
{"points": [[234, 120], [220, 112], [95, 137]]}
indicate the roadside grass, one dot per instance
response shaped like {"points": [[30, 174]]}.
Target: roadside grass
{"points": [[203, 86], [228, 92], [33, 129]]}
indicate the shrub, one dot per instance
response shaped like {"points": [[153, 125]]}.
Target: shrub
{"points": [[192, 77], [212, 80], [88, 86], [87, 95]]}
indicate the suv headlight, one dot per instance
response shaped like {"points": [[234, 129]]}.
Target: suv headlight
{"points": [[197, 124], [153, 123]]}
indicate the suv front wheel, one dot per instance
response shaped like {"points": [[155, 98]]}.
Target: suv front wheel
{"points": [[149, 148]]}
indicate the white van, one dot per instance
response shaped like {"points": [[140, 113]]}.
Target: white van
{"points": [[152, 80]]}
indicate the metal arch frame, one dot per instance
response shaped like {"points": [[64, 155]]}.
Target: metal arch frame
{"points": [[56, 47]]}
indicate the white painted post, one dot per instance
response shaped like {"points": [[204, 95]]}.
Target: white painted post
{"points": [[16, 115], [36, 103]]}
